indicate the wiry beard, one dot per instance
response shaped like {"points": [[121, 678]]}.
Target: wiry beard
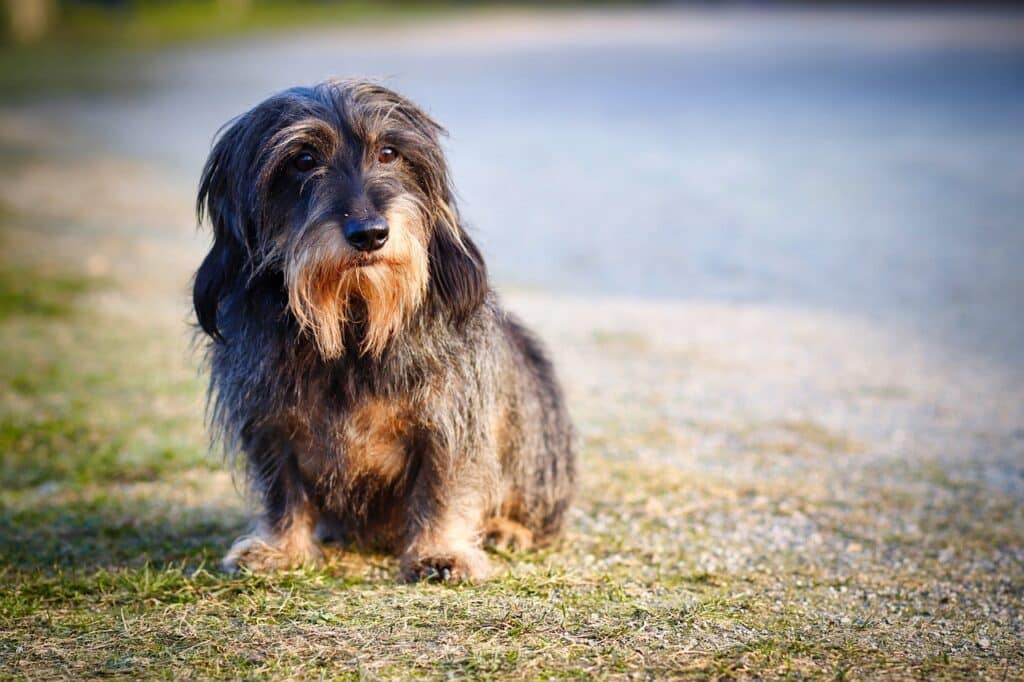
{"points": [[331, 286]]}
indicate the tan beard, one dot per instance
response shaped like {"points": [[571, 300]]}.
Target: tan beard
{"points": [[325, 277]]}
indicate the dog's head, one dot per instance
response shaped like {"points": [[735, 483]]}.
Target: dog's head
{"points": [[342, 191]]}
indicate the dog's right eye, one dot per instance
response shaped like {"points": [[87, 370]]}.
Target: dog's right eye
{"points": [[304, 162]]}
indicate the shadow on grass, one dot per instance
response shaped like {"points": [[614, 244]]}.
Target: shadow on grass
{"points": [[67, 449], [109, 533]]}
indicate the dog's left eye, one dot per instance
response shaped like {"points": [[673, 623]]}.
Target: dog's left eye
{"points": [[387, 155], [304, 162]]}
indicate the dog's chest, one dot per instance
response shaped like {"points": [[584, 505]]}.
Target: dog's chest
{"points": [[369, 441], [375, 437]]}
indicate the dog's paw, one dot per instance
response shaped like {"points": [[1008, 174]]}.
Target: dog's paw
{"points": [[447, 566], [258, 555], [507, 535]]}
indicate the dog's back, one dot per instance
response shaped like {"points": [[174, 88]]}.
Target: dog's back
{"points": [[538, 451]]}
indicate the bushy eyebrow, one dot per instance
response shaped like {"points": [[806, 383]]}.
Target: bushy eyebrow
{"points": [[314, 134]]}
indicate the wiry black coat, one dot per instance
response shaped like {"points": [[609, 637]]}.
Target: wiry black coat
{"points": [[451, 430]]}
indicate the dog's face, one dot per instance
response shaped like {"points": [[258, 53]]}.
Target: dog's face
{"points": [[343, 190]]}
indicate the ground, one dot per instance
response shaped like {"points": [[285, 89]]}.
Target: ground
{"points": [[767, 490], [720, 530]]}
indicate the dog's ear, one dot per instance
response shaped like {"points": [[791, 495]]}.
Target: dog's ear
{"points": [[219, 199], [214, 279], [458, 275]]}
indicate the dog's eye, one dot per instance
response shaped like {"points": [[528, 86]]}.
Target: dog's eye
{"points": [[304, 162], [387, 155]]}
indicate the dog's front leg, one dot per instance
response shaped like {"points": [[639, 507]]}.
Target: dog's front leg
{"points": [[449, 499], [284, 533]]}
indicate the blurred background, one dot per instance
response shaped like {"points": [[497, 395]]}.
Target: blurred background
{"points": [[868, 160], [811, 208], [776, 251]]}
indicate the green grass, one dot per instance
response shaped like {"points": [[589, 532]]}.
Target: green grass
{"points": [[27, 293], [58, 68], [65, 402], [93, 49], [151, 24], [96, 49]]}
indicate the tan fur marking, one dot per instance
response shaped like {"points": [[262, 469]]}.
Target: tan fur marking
{"points": [[452, 544], [325, 276], [507, 534], [375, 436], [265, 550]]}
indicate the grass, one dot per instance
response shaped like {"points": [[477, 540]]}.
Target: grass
{"points": [[118, 587], [111, 523], [61, 396], [113, 518], [110, 574], [142, 23], [25, 293], [92, 48]]}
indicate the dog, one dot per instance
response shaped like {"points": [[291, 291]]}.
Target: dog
{"points": [[359, 360]]}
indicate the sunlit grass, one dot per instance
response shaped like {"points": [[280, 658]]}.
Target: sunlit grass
{"points": [[151, 24], [95, 47]]}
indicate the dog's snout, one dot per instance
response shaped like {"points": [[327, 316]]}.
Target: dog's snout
{"points": [[368, 234]]}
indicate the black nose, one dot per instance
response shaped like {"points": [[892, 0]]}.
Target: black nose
{"points": [[367, 235]]}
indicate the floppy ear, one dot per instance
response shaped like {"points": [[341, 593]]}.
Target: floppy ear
{"points": [[214, 279], [219, 189], [458, 275]]}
